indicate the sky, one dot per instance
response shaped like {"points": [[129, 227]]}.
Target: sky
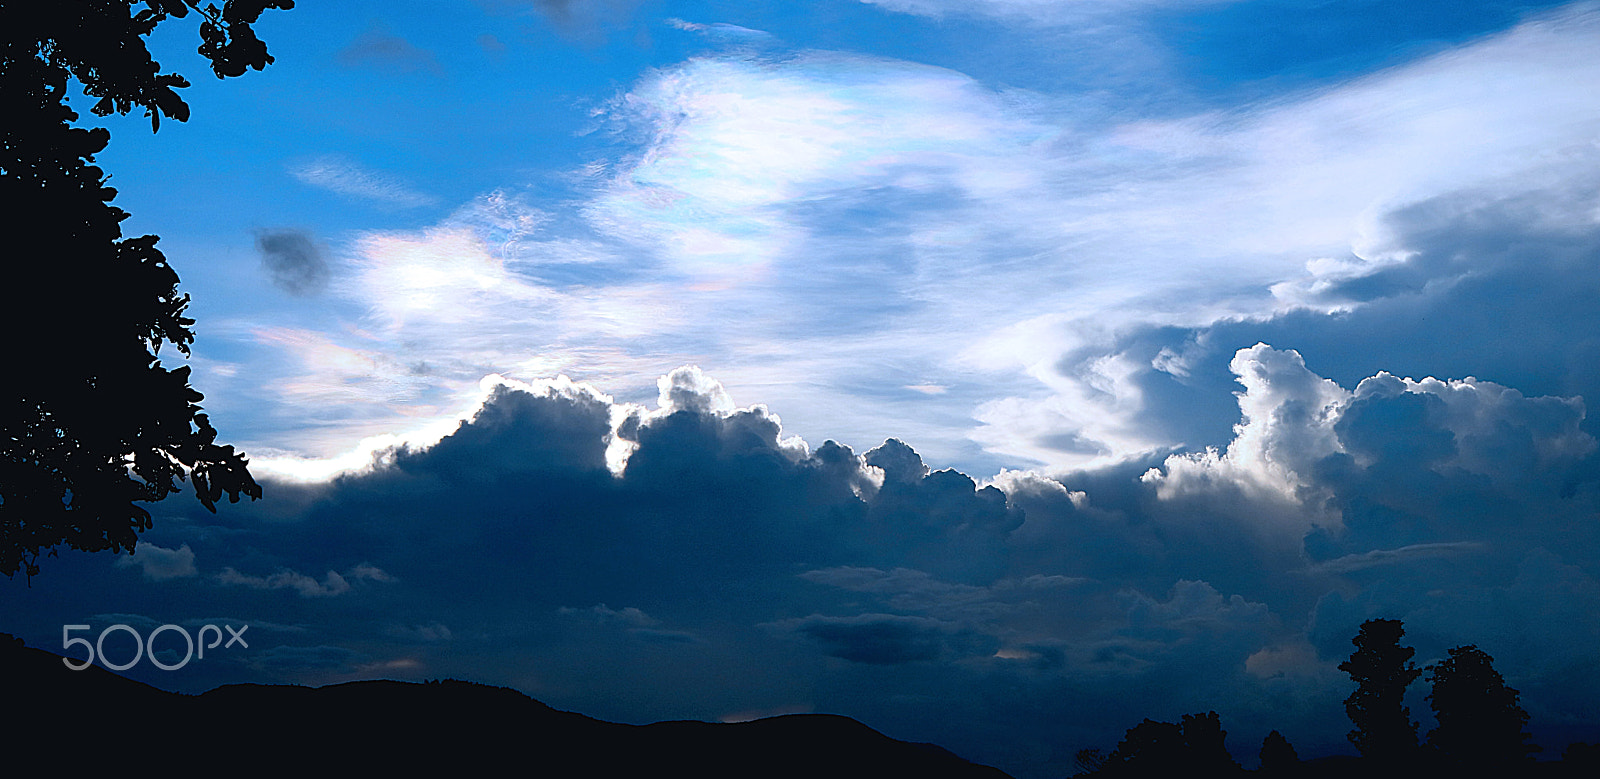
{"points": [[999, 373]]}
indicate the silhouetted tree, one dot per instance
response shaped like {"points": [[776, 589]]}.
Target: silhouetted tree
{"points": [[1149, 748], [1581, 759], [1205, 738], [1278, 755], [1153, 748], [90, 420], [1089, 761], [1382, 669], [1480, 721]]}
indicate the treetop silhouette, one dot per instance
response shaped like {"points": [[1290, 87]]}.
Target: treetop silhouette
{"points": [[1481, 725], [1480, 721], [1381, 669], [1151, 748], [1277, 754], [90, 420]]}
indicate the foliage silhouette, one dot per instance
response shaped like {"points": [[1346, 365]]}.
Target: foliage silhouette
{"points": [[1148, 747], [92, 421], [1480, 721], [1582, 759], [1089, 760], [1278, 755], [1205, 738], [1481, 727], [1382, 669], [1153, 748]]}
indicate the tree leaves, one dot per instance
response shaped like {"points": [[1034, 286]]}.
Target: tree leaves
{"points": [[1381, 669], [1480, 721], [91, 423]]}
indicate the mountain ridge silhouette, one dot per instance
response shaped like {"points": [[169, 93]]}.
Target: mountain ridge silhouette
{"points": [[97, 719]]}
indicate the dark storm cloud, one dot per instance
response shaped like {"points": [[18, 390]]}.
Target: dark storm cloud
{"points": [[725, 569], [293, 261], [900, 463], [518, 432], [1496, 285], [1491, 285]]}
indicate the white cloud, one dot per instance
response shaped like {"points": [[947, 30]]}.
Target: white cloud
{"points": [[735, 143], [1289, 415], [159, 564], [820, 225], [1481, 414], [1377, 557], [689, 389], [1296, 660], [369, 571], [629, 616], [1292, 419], [1288, 197], [729, 33], [306, 586], [345, 177]]}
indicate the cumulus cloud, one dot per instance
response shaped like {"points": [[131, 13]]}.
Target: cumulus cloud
{"points": [[293, 261], [689, 389], [1289, 415], [1193, 606], [1300, 428], [716, 552]]}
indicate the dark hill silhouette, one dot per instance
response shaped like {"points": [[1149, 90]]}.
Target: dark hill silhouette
{"points": [[94, 719]]}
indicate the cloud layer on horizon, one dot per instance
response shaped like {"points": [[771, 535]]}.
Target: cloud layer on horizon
{"points": [[690, 560]]}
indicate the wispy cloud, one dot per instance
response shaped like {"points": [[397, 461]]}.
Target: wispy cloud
{"points": [[823, 224], [345, 177], [332, 584], [1405, 554]]}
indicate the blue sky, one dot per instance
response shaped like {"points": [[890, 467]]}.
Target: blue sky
{"points": [[1204, 330]]}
